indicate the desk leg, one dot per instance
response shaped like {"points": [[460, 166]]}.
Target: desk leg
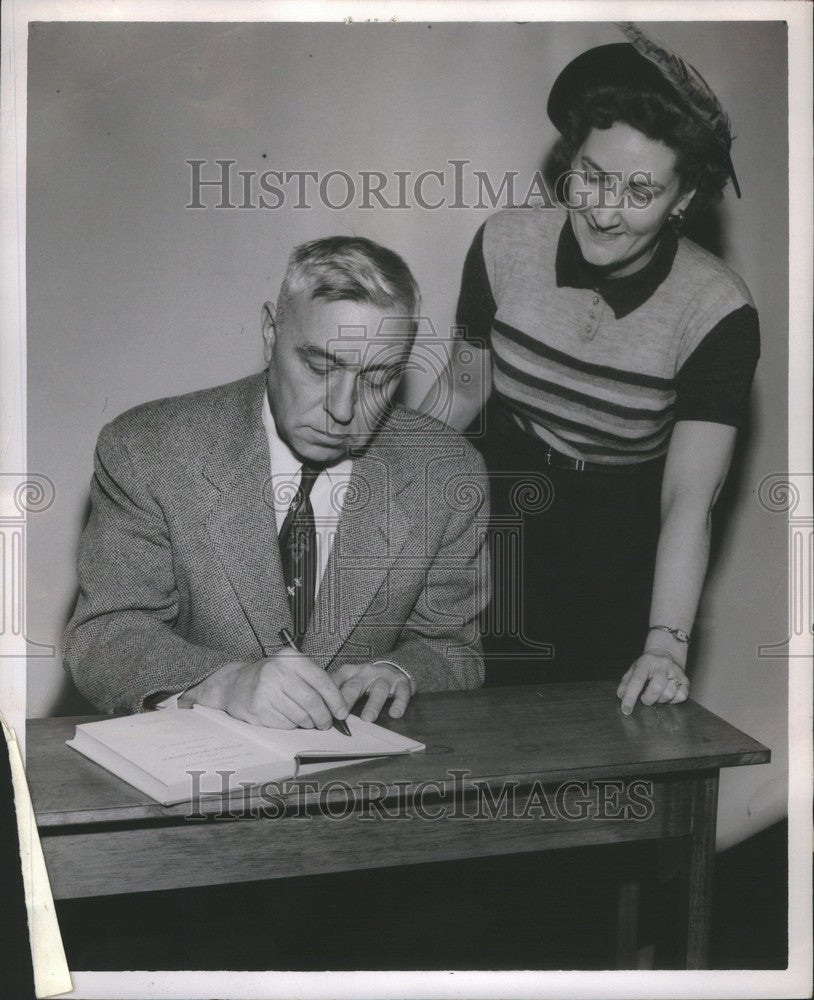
{"points": [[699, 881]]}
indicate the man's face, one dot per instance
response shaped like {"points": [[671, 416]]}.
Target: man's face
{"points": [[333, 370]]}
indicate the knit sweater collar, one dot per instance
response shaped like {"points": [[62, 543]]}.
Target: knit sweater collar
{"points": [[625, 294]]}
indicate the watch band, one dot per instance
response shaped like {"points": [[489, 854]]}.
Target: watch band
{"points": [[677, 633]]}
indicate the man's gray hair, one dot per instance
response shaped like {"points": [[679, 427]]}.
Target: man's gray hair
{"points": [[351, 268]]}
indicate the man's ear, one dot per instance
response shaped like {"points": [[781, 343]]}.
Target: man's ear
{"points": [[268, 327]]}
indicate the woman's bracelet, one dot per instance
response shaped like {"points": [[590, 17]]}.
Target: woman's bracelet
{"points": [[677, 633]]}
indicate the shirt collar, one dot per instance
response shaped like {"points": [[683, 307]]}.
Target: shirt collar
{"points": [[623, 295], [284, 463]]}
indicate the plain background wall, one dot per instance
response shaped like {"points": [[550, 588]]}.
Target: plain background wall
{"points": [[132, 296]]}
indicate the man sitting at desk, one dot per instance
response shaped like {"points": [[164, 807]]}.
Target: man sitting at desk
{"points": [[299, 499]]}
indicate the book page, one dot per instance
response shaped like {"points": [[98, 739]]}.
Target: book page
{"points": [[170, 743], [366, 739]]}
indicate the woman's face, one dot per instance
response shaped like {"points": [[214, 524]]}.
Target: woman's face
{"points": [[624, 187]]}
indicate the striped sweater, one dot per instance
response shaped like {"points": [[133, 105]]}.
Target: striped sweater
{"points": [[601, 369]]}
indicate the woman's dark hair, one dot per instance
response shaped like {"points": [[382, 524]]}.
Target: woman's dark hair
{"points": [[701, 162]]}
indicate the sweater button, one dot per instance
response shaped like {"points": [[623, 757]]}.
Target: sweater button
{"points": [[596, 299]]}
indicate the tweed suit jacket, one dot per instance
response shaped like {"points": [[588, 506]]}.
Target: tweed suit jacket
{"points": [[179, 565]]}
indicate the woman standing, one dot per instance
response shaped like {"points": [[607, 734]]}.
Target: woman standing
{"points": [[617, 360]]}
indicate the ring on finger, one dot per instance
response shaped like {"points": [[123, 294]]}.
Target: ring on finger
{"points": [[677, 681]]}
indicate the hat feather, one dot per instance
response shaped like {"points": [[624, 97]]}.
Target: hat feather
{"points": [[685, 79]]}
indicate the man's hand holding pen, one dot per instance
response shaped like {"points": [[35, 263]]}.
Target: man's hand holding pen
{"points": [[284, 691], [287, 691]]}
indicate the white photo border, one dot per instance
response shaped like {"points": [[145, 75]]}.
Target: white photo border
{"points": [[796, 980]]}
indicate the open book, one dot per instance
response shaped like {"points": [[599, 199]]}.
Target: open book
{"points": [[174, 754]]}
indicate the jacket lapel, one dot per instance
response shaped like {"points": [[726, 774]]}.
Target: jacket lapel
{"points": [[372, 532], [242, 522]]}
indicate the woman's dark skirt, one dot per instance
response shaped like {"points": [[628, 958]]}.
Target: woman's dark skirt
{"points": [[573, 554]]}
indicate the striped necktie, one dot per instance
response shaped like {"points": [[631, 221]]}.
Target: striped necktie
{"points": [[298, 552]]}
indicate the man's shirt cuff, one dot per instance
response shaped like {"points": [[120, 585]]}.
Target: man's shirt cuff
{"points": [[162, 700], [401, 669]]}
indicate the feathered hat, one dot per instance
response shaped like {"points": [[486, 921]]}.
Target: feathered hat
{"points": [[643, 62]]}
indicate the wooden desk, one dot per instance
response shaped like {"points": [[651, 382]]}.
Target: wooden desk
{"points": [[498, 777]]}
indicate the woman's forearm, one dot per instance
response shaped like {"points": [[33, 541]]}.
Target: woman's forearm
{"points": [[681, 566], [697, 463]]}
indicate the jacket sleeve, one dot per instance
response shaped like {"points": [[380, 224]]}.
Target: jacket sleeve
{"points": [[120, 645], [440, 645]]}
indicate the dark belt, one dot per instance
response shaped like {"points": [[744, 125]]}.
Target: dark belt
{"points": [[557, 460], [513, 423]]}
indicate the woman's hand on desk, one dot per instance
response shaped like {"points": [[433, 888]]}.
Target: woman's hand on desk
{"points": [[285, 691], [657, 677]]}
